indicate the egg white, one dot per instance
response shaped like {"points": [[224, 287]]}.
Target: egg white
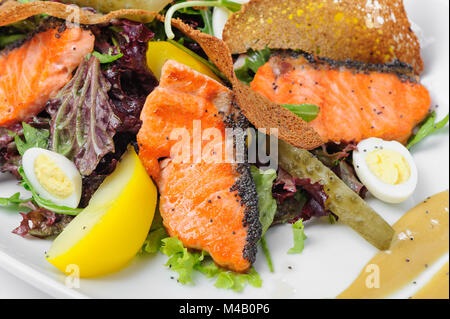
{"points": [[220, 18], [388, 193], [65, 165]]}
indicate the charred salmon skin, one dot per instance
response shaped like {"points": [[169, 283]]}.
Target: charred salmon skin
{"points": [[209, 205], [354, 104], [33, 73]]}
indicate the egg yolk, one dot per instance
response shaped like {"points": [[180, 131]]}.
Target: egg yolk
{"points": [[52, 178], [389, 166]]}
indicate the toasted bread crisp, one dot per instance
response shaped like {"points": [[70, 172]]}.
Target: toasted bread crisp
{"points": [[369, 31], [258, 109], [13, 11], [261, 112]]}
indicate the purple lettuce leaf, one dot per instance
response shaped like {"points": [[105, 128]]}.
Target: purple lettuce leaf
{"points": [[131, 79], [347, 173], [40, 222], [298, 198], [337, 157], [83, 120]]}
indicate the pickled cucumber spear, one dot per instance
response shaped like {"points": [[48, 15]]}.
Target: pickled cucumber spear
{"points": [[351, 209]]}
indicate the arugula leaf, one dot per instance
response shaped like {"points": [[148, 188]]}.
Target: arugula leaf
{"points": [[45, 203], [187, 10], [186, 7], [429, 127], [33, 138], [257, 59], [207, 21], [243, 75], [107, 58], [185, 263], [267, 253], [11, 38], [308, 112], [13, 200], [299, 237], [266, 203], [253, 61]]}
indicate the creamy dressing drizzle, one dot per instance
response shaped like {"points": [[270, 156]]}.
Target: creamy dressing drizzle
{"points": [[422, 237], [437, 287]]}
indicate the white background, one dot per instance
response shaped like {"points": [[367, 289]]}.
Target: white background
{"points": [[12, 287]]}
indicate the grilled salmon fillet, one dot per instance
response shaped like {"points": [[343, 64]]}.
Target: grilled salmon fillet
{"points": [[355, 104], [208, 205], [33, 73]]}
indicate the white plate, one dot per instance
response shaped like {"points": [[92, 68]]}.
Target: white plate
{"points": [[333, 255]]}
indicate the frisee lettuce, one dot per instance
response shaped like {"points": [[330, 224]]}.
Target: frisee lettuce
{"points": [[153, 242], [299, 237], [429, 127], [185, 263]]}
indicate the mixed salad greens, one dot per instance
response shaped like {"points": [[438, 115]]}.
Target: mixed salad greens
{"points": [[113, 83]]}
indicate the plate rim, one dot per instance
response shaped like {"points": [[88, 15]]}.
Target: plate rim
{"points": [[37, 279]]}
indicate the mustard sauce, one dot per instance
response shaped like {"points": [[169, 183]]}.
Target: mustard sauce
{"points": [[422, 236], [437, 287]]}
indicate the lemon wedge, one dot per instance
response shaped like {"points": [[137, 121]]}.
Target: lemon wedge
{"points": [[108, 233], [159, 52]]}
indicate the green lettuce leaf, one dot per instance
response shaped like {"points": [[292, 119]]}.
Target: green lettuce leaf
{"points": [[429, 127], [299, 237], [185, 263], [266, 203]]}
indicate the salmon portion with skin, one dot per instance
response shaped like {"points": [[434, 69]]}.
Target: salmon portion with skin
{"points": [[34, 73], [209, 205], [354, 105]]}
